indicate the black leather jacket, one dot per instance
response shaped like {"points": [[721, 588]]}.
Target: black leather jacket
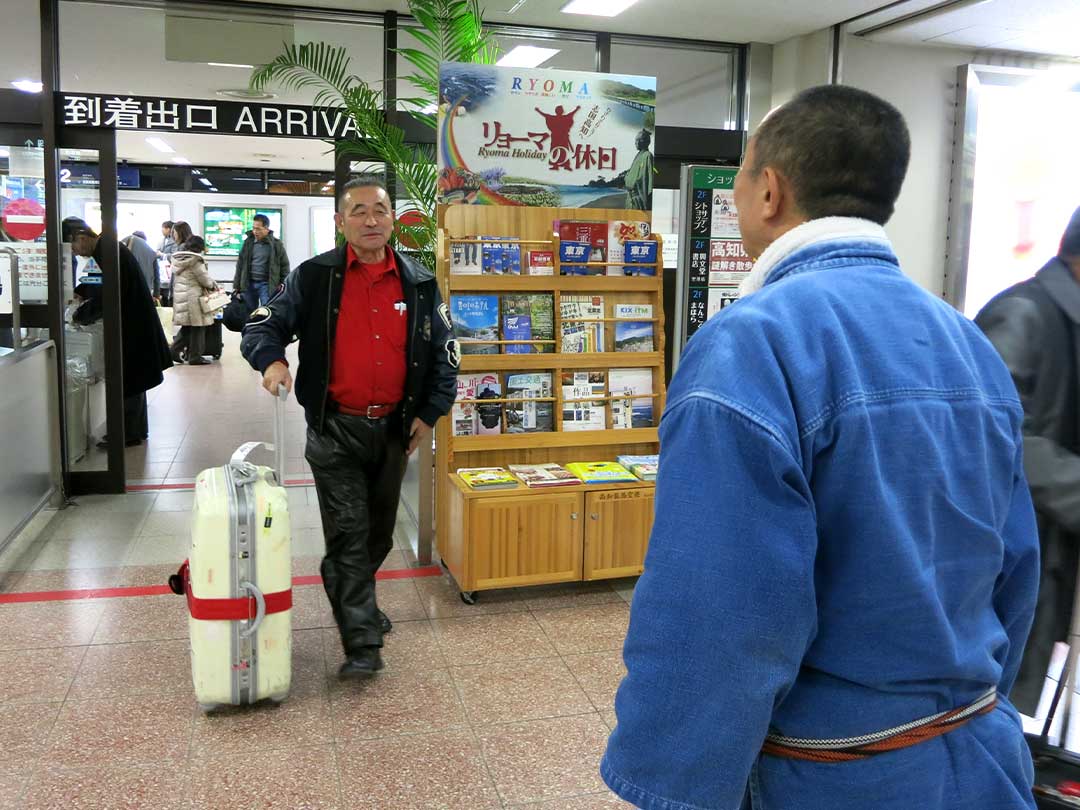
{"points": [[308, 308], [1034, 327]]}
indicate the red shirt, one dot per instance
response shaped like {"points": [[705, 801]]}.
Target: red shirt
{"points": [[368, 366]]}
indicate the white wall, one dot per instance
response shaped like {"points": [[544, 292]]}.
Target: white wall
{"points": [[921, 82], [20, 56], [188, 207], [799, 63]]}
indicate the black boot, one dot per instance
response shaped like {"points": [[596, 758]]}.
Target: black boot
{"points": [[362, 664]]}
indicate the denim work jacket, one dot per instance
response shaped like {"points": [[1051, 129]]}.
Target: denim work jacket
{"points": [[844, 542]]}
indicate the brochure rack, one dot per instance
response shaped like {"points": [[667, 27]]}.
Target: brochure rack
{"points": [[523, 536]]}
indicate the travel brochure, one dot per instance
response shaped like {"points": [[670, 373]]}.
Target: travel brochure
{"points": [[585, 248], [629, 469], [530, 401]]}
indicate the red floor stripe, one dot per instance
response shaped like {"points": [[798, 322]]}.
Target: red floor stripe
{"points": [[161, 590], [294, 482]]}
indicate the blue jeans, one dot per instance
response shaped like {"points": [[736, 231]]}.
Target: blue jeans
{"points": [[257, 294]]}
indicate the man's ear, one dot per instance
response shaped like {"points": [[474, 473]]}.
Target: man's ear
{"points": [[774, 189]]}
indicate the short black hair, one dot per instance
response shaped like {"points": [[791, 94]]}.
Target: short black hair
{"points": [[194, 244], [167, 224], [74, 226], [361, 181], [844, 151], [263, 218], [1070, 241], [139, 234]]}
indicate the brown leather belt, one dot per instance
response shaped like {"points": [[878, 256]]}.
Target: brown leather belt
{"points": [[882, 742], [370, 412]]}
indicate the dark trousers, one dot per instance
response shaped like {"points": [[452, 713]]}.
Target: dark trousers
{"points": [[192, 338], [136, 419], [358, 465]]}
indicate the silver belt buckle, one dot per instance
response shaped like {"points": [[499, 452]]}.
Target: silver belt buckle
{"points": [[369, 409]]}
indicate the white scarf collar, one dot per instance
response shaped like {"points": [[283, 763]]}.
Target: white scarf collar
{"points": [[826, 229]]}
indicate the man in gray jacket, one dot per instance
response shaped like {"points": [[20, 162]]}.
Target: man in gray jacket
{"points": [[262, 264], [147, 258], [1035, 326]]}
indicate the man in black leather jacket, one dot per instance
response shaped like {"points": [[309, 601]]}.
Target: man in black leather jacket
{"points": [[378, 367], [1036, 328]]}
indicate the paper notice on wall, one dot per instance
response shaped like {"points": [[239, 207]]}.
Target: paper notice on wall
{"points": [[725, 219]]}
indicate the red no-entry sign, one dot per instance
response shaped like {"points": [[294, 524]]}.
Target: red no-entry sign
{"points": [[24, 219]]}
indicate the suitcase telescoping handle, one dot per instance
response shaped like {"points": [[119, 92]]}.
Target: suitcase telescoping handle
{"points": [[239, 457]]}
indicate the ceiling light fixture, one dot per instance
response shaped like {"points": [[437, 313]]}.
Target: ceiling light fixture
{"points": [[160, 145], [245, 94], [204, 181], [526, 56], [598, 8], [181, 161], [212, 188], [229, 64], [921, 16], [27, 85], [4, 153]]}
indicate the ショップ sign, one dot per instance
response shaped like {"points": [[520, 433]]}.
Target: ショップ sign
{"points": [[512, 136], [718, 261]]}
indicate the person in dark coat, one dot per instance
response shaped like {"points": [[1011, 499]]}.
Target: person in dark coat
{"points": [[145, 351], [1035, 326]]}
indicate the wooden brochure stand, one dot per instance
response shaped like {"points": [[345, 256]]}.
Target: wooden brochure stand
{"points": [[523, 536]]}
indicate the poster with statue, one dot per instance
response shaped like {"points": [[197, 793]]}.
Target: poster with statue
{"points": [[516, 136]]}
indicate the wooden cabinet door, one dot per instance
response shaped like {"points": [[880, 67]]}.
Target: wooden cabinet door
{"points": [[617, 527], [531, 540]]}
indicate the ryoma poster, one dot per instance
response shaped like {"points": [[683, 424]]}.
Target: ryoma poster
{"points": [[513, 136]]}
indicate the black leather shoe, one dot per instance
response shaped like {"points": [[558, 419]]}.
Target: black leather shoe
{"points": [[384, 623], [363, 664]]}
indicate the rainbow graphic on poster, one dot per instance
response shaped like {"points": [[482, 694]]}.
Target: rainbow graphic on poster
{"points": [[514, 136]]}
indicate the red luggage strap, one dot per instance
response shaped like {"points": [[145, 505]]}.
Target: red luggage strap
{"points": [[229, 610], [869, 745]]}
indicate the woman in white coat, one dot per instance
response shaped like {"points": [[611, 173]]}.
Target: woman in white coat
{"points": [[191, 281]]}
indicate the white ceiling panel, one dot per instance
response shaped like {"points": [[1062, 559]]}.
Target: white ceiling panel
{"points": [[714, 20], [1050, 27]]}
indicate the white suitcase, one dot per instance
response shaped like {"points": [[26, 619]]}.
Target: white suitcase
{"points": [[238, 580]]}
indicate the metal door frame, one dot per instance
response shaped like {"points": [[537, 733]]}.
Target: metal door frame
{"points": [[112, 480]]}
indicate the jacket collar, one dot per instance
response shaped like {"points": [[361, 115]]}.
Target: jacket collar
{"points": [[412, 272], [782, 256], [1058, 280]]}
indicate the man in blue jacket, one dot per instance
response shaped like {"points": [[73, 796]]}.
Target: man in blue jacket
{"points": [[844, 563]]}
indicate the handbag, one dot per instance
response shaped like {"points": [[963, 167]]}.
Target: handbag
{"points": [[212, 302]]}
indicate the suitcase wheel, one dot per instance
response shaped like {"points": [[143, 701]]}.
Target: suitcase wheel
{"points": [[176, 584], [209, 707], [468, 597]]}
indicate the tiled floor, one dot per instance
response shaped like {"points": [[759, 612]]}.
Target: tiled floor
{"points": [[506, 703]]}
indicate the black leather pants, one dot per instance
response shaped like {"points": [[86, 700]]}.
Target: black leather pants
{"points": [[358, 465]]}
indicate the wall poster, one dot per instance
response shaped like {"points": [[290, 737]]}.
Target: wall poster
{"points": [[516, 136], [225, 228]]}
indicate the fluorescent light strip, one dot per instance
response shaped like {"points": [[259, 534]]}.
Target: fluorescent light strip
{"points": [[527, 56], [27, 85], [160, 145], [229, 64], [181, 161], [204, 181], [598, 8]]}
